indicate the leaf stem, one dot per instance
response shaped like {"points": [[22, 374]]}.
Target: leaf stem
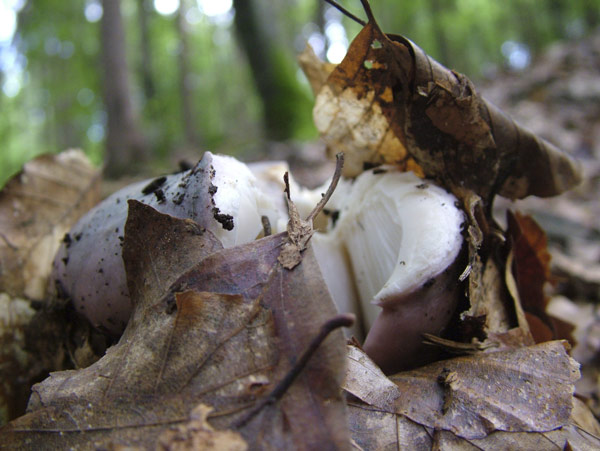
{"points": [[367, 8], [345, 12], [342, 320]]}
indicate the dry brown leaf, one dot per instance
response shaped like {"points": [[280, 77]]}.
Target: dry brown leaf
{"points": [[528, 389], [374, 429], [316, 71], [351, 112], [15, 315], [531, 270], [491, 303], [388, 102], [198, 434], [384, 415], [37, 207], [224, 334]]}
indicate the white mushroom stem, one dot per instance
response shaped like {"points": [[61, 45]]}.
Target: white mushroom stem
{"points": [[336, 269]]}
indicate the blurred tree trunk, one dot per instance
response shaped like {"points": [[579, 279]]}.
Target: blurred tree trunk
{"points": [[146, 63], [528, 15], [125, 146], [274, 81], [592, 14], [436, 9], [320, 16], [186, 93]]}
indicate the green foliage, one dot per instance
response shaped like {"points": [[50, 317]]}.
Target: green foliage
{"points": [[474, 30], [60, 104]]}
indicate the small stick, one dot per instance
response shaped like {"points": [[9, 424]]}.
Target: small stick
{"points": [[266, 225], [339, 164], [286, 180], [367, 8], [343, 320], [345, 12]]}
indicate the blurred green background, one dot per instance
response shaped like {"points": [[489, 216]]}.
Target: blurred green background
{"points": [[139, 84]]}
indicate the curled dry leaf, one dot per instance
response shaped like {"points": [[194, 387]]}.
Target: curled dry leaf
{"points": [[531, 269], [351, 111], [37, 207], [315, 70], [223, 333], [388, 102], [528, 389]]}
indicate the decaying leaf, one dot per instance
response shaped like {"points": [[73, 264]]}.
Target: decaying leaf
{"points": [[528, 389], [461, 403], [374, 429], [37, 207], [316, 70], [15, 315], [223, 333], [199, 434], [388, 102], [351, 112], [531, 268], [488, 300]]}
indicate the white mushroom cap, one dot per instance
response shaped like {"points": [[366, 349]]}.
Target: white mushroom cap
{"points": [[239, 195], [400, 232]]}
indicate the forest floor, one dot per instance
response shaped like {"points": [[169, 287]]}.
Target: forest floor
{"points": [[558, 98]]}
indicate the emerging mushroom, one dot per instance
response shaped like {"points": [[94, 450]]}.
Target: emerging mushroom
{"points": [[388, 246], [220, 193], [402, 238]]}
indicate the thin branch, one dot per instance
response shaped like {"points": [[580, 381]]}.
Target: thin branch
{"points": [[343, 320], [367, 7], [339, 164], [345, 12], [286, 180], [266, 225]]}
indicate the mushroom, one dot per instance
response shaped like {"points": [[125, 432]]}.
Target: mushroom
{"points": [[220, 193], [401, 238], [388, 246], [392, 256]]}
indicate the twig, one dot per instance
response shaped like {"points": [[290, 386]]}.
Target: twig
{"points": [[367, 8], [339, 164], [266, 225], [286, 180], [345, 12], [343, 320]]}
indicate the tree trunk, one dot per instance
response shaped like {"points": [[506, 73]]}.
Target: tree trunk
{"points": [[436, 8], [125, 146], [276, 91], [592, 14], [146, 62], [185, 89]]}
